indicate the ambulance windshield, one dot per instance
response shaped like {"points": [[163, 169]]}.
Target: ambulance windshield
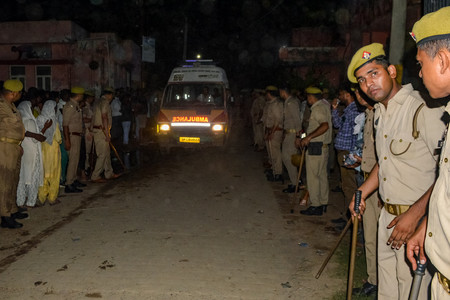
{"points": [[195, 94]]}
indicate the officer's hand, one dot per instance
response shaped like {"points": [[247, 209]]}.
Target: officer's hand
{"points": [[305, 141], [362, 207], [414, 247], [67, 145], [108, 138], [405, 225]]}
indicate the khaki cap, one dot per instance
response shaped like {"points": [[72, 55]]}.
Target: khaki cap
{"points": [[13, 85], [363, 56], [432, 26], [77, 90], [313, 90], [271, 88]]}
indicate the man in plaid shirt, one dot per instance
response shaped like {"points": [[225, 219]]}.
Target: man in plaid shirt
{"points": [[345, 139]]}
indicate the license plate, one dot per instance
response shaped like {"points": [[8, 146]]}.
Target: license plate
{"points": [[185, 139]]}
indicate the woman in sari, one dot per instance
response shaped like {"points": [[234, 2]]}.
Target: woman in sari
{"points": [[51, 154]]}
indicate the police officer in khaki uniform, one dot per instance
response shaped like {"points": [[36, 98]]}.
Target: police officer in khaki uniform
{"points": [[12, 133], [73, 131], [256, 112], [88, 113], [101, 128], [273, 123], [292, 126], [407, 136], [373, 209], [432, 35], [318, 138]]}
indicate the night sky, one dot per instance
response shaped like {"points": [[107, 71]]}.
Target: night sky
{"points": [[243, 36]]}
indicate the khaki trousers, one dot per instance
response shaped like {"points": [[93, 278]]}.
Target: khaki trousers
{"points": [[258, 134], [274, 149], [348, 179], [317, 177], [437, 291], [287, 150], [88, 140], [103, 157], [9, 177], [370, 225], [394, 273], [74, 157]]}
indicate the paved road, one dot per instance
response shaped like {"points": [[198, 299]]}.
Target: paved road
{"points": [[201, 224]]}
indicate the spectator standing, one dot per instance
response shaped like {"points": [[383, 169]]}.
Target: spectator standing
{"points": [[31, 168], [51, 154], [61, 101], [256, 114], [127, 118], [87, 111], [116, 114], [12, 133], [345, 139]]}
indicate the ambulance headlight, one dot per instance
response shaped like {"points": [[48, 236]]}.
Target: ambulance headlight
{"points": [[164, 127], [217, 127]]}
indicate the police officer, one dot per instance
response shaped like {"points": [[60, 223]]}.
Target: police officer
{"points": [[88, 113], [273, 123], [407, 135], [292, 126], [101, 128], [318, 138], [256, 112], [432, 35], [12, 133], [73, 131]]}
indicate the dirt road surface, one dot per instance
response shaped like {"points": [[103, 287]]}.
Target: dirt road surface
{"points": [[196, 224]]}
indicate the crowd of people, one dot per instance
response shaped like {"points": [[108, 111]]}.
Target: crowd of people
{"points": [[50, 140], [388, 144]]}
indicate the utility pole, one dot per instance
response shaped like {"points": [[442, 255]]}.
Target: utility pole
{"points": [[397, 41]]}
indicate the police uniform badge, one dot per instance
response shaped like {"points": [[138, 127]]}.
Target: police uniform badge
{"points": [[366, 55]]}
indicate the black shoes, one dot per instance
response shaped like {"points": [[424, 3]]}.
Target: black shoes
{"points": [[367, 289], [289, 189], [275, 178], [72, 189], [19, 215], [9, 222], [315, 210], [78, 184]]}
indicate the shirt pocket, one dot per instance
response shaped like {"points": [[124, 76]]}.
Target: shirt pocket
{"points": [[402, 144]]}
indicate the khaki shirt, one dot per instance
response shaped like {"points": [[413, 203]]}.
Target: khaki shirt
{"points": [[273, 113], [257, 109], [102, 107], [11, 125], [72, 117], [320, 113], [292, 118], [369, 157], [437, 241], [407, 167]]}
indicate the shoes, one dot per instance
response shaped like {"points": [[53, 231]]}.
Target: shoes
{"points": [[9, 222], [367, 289], [19, 215], [337, 189], [78, 184], [275, 178], [72, 189], [312, 211], [324, 208], [57, 201], [289, 189], [99, 180], [338, 221], [114, 176]]}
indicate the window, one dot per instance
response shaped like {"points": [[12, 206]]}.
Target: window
{"points": [[44, 77], [17, 72]]}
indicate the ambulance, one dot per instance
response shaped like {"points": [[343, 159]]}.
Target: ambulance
{"points": [[193, 109]]}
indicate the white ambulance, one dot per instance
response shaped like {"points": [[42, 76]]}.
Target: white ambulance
{"points": [[194, 107]]}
